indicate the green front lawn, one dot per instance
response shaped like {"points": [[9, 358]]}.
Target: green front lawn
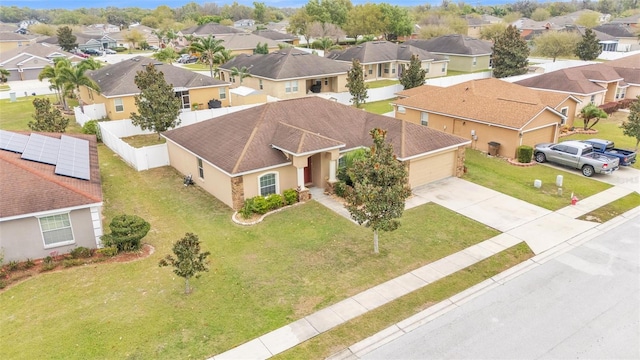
{"points": [[516, 181], [613, 209], [139, 141], [378, 107], [262, 277], [608, 129]]}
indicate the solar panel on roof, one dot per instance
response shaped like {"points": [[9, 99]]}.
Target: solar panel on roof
{"points": [[43, 149], [11, 141], [73, 158]]}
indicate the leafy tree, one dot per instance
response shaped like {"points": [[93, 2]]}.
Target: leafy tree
{"points": [[126, 232], [241, 73], [355, 84], [432, 31], [260, 12], [158, 106], [208, 19], [188, 261], [325, 44], [223, 56], [364, 20], [261, 49], [540, 14], [491, 32], [168, 55], [588, 48], [4, 75], [66, 39], [320, 30], [588, 19], [299, 24], [47, 118], [329, 11], [90, 64], [414, 76], [631, 127], [396, 21], [556, 43], [510, 53], [380, 188], [133, 37], [591, 112], [207, 47], [52, 73]]}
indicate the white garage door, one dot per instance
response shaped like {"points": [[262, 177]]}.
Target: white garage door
{"points": [[425, 170]]}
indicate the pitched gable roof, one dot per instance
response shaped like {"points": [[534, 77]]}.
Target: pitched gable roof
{"points": [[382, 51], [29, 187], [628, 67], [118, 79], [245, 41], [487, 100], [454, 44], [36, 52], [576, 80], [616, 30], [210, 29], [287, 63], [275, 35], [255, 138]]}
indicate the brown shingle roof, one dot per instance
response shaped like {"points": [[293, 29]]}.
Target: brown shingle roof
{"points": [[210, 29], [487, 100], [245, 41], [119, 79], [28, 187], [287, 63], [628, 67], [382, 51], [242, 142], [45, 53], [454, 44], [575, 80]]}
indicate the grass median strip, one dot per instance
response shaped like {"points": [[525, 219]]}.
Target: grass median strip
{"points": [[613, 209], [343, 336]]}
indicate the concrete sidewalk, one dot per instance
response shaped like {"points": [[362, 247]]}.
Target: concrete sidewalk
{"points": [[546, 232]]}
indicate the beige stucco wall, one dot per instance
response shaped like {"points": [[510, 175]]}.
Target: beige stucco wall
{"points": [[237, 52], [632, 92], [257, 98], [434, 69], [202, 96], [214, 182], [571, 112], [465, 63], [286, 178], [14, 44], [278, 88], [21, 239]]}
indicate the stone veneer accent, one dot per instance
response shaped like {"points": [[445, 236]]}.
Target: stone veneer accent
{"points": [[460, 168], [237, 192], [303, 195], [329, 187]]}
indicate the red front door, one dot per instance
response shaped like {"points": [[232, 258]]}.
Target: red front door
{"points": [[307, 172]]}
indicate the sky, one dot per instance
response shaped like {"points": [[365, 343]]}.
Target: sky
{"points": [[152, 4]]}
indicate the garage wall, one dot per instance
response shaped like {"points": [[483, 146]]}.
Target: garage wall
{"points": [[432, 167]]}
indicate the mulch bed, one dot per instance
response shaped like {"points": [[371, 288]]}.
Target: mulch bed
{"points": [[24, 272]]}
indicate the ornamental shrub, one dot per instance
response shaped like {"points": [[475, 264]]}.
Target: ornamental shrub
{"points": [[290, 196], [259, 205], [126, 232], [108, 251], [91, 127], [81, 252], [525, 154], [247, 209], [274, 201]]}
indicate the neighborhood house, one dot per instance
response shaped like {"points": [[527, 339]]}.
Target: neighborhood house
{"points": [[297, 144]]}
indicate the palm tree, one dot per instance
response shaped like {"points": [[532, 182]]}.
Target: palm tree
{"points": [[4, 74], [208, 48], [52, 73], [75, 77], [590, 112], [325, 44], [223, 56], [90, 64], [242, 73]]}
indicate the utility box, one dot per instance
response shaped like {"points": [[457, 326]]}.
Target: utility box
{"points": [[12, 96], [494, 148]]}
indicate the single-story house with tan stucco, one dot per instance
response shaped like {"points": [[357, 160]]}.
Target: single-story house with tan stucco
{"points": [[489, 111], [297, 144]]}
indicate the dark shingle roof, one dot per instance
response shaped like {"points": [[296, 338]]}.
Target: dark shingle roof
{"points": [[454, 44], [29, 187], [275, 35], [576, 80], [382, 51], [249, 140], [287, 64], [628, 67], [615, 30], [29, 55], [118, 79], [210, 29]]}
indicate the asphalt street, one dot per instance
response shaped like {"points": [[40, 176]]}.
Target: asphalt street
{"points": [[583, 304]]}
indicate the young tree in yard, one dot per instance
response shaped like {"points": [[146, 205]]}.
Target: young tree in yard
{"points": [[74, 77], [355, 84], [158, 106], [133, 37], [66, 39], [166, 55], [591, 112], [4, 75], [261, 49], [510, 53], [396, 20], [380, 188], [52, 73], [555, 44], [189, 261], [631, 127], [47, 118], [588, 48], [414, 75]]}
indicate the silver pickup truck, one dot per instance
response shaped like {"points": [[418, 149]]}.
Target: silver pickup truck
{"points": [[577, 155]]}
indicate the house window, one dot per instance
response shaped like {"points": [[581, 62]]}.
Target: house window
{"points": [[294, 86], [444, 67], [200, 169], [119, 105], [564, 111], [370, 69], [287, 86], [342, 162], [621, 93], [593, 99], [56, 230], [424, 118], [401, 109], [426, 68], [185, 103], [267, 183], [326, 81], [90, 93], [386, 68], [475, 61], [222, 93], [260, 82], [291, 86]]}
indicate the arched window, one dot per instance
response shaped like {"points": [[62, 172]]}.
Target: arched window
{"points": [[268, 184]]}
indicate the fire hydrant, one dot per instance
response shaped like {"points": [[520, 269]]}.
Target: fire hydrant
{"points": [[574, 200]]}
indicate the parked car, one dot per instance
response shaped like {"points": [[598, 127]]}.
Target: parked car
{"points": [[93, 52], [626, 157], [110, 51], [153, 48], [81, 54], [187, 59], [578, 155]]}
